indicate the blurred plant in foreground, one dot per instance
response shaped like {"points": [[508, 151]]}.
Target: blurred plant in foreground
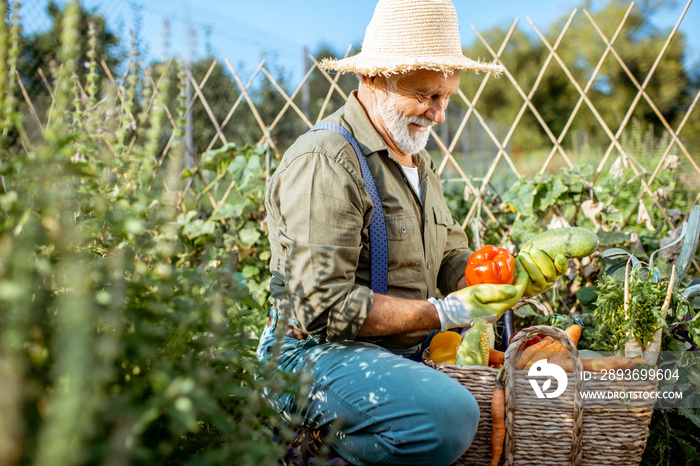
{"points": [[123, 340]]}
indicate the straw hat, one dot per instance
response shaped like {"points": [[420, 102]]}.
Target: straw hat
{"points": [[406, 35]]}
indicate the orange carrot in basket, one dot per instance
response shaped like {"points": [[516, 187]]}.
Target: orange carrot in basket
{"points": [[553, 349], [495, 357], [547, 352], [530, 351], [572, 331], [498, 423], [562, 359]]}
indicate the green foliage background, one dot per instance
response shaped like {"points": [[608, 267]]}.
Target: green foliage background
{"points": [[129, 316]]}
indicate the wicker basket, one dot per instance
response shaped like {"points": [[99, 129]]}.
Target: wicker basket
{"points": [[556, 431]]}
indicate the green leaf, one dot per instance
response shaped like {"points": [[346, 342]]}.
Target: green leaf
{"points": [[225, 211], [548, 194], [198, 228], [251, 303], [689, 450], [587, 295], [8, 200], [690, 244], [677, 345], [691, 412], [226, 149], [521, 196], [525, 229], [613, 238], [253, 169], [250, 271], [188, 173], [237, 168], [133, 226], [11, 290], [614, 254], [611, 215], [576, 187], [185, 218], [248, 236], [525, 311], [219, 159], [575, 176]]}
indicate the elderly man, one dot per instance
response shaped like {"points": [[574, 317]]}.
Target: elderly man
{"points": [[363, 244]]}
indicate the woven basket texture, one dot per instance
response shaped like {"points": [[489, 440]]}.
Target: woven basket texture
{"points": [[544, 431]]}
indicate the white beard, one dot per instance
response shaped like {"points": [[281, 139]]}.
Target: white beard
{"points": [[409, 142]]}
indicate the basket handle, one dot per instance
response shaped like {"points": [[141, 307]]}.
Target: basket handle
{"points": [[534, 303], [576, 454]]}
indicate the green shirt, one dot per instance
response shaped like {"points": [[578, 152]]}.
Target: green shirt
{"points": [[318, 218]]}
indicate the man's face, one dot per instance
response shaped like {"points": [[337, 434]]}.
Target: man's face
{"points": [[416, 102]]}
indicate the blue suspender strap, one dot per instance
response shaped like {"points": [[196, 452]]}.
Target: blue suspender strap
{"points": [[379, 250]]}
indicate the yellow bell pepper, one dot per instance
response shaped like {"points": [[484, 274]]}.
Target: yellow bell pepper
{"points": [[443, 347]]}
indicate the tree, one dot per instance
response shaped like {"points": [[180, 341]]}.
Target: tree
{"points": [[40, 50], [613, 91], [220, 93], [319, 86], [638, 45]]}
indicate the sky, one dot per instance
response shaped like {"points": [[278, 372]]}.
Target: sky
{"points": [[245, 30]]}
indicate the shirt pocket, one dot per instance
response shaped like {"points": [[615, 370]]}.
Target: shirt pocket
{"points": [[405, 249], [443, 221]]}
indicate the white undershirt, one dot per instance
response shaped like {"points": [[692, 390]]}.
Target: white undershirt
{"points": [[412, 176]]}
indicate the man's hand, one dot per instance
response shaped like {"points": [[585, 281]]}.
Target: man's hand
{"points": [[459, 309], [542, 271]]}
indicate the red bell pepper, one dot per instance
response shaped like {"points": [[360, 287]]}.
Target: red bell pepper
{"points": [[490, 264], [530, 341]]}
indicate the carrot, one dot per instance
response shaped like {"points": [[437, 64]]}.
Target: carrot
{"points": [[530, 351], [545, 353], [595, 364], [574, 332], [554, 346], [563, 360], [558, 356], [498, 424], [495, 357], [552, 349]]}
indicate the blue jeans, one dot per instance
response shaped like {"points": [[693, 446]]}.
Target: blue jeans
{"points": [[392, 410]]}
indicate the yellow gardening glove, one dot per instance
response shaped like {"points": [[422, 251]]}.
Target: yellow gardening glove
{"points": [[459, 309], [542, 270]]}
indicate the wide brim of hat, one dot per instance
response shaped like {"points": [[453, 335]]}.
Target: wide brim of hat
{"points": [[368, 66]]}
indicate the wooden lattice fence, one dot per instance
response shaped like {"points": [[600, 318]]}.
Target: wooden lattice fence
{"points": [[448, 143]]}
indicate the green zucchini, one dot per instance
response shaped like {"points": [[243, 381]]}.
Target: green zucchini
{"points": [[570, 242]]}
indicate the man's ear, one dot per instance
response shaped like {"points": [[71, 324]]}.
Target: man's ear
{"points": [[375, 84], [369, 82]]}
